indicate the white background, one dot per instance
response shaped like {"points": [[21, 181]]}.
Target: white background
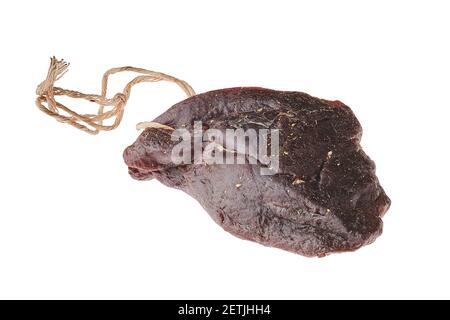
{"points": [[73, 224]]}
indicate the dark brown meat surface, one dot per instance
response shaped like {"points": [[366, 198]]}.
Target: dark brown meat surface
{"points": [[325, 196]]}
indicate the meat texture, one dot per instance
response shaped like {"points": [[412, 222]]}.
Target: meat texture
{"points": [[325, 197]]}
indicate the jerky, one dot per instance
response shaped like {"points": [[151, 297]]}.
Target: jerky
{"points": [[325, 197]]}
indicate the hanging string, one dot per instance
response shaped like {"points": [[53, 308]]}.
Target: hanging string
{"points": [[93, 123]]}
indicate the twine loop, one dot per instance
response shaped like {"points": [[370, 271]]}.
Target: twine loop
{"points": [[93, 123]]}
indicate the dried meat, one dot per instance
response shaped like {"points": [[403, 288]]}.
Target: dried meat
{"points": [[325, 196]]}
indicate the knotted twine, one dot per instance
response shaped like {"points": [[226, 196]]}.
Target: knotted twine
{"points": [[93, 123]]}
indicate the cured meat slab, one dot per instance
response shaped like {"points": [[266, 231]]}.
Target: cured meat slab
{"points": [[325, 196]]}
